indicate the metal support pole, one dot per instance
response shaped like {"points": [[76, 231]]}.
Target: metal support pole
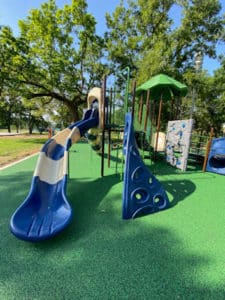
{"points": [[140, 109], [127, 69], [109, 127], [208, 149], [103, 91], [133, 99], [147, 110], [158, 125]]}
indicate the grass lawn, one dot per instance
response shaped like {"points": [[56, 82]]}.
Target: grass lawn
{"points": [[13, 148]]}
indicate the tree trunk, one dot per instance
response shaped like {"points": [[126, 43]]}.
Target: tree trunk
{"points": [[17, 126], [9, 121], [9, 127], [75, 115], [73, 109], [72, 105], [30, 123]]}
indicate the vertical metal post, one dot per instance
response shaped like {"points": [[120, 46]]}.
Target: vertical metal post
{"points": [[208, 149], [147, 110], [133, 99], [158, 125], [110, 106], [127, 89], [198, 60], [117, 152], [140, 109], [113, 105], [109, 127], [109, 146], [172, 108], [103, 92]]}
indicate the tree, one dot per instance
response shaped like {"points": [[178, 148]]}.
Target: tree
{"points": [[141, 35], [60, 116], [219, 92], [208, 95], [56, 56], [200, 30], [33, 114], [10, 109]]}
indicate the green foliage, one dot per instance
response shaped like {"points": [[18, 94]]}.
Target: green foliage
{"points": [[209, 101], [59, 114], [141, 35], [201, 28], [56, 56]]}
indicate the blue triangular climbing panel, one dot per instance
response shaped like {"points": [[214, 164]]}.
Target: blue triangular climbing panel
{"points": [[142, 193]]}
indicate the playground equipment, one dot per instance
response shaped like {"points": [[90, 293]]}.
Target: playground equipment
{"points": [[142, 193], [46, 211], [161, 96], [216, 158], [197, 150], [154, 92], [177, 142]]}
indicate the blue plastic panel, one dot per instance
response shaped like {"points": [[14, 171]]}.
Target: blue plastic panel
{"points": [[46, 211], [142, 193], [216, 159]]}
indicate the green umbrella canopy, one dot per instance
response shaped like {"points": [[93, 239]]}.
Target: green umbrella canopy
{"points": [[163, 86]]}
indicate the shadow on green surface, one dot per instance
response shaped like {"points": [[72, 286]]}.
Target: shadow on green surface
{"points": [[114, 158], [178, 189], [14, 188], [161, 167], [85, 196], [100, 256], [116, 260]]}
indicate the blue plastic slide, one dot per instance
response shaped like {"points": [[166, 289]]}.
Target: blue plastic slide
{"points": [[216, 159], [46, 211]]}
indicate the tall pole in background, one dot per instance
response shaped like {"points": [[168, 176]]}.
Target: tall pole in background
{"points": [[126, 72], [198, 60]]}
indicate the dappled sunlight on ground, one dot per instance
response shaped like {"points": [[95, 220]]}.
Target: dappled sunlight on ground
{"points": [[174, 254]]}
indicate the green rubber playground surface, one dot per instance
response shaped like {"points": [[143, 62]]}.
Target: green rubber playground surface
{"points": [[175, 254]]}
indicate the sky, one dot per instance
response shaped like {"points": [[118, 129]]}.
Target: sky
{"points": [[13, 10]]}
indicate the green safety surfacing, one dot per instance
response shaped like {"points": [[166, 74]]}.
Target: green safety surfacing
{"points": [[175, 254]]}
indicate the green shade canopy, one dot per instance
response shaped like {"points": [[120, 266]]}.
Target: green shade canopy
{"points": [[163, 86]]}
